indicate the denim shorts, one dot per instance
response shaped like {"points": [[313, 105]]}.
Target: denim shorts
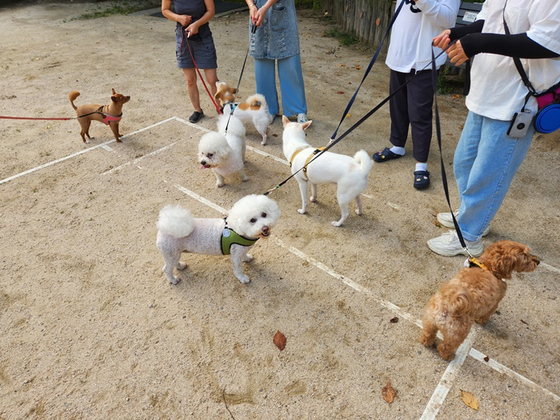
{"points": [[203, 50]]}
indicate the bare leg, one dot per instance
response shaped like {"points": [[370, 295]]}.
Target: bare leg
{"points": [[192, 88]]}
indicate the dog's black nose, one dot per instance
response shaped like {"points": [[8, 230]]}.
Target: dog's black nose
{"points": [[203, 162]]}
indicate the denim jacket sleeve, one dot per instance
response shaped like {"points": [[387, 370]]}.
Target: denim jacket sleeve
{"points": [[278, 36]]}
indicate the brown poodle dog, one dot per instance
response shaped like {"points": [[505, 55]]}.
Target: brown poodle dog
{"points": [[473, 295]]}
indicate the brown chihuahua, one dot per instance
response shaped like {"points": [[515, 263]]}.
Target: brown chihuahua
{"points": [[109, 114]]}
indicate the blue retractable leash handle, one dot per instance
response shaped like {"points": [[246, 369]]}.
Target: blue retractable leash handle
{"points": [[372, 62]]}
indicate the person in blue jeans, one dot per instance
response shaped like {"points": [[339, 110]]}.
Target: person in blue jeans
{"points": [[276, 44], [487, 158]]}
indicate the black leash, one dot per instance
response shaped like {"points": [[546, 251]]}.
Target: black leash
{"points": [[443, 173], [372, 62], [253, 30], [319, 152]]}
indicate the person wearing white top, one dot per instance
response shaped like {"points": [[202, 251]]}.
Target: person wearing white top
{"points": [[409, 58], [487, 158]]}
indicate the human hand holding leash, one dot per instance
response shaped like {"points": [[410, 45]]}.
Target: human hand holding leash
{"points": [[184, 20], [455, 52]]}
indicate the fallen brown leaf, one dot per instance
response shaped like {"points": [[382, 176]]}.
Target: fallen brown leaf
{"points": [[469, 399], [340, 92], [388, 393], [377, 21], [394, 320], [358, 67], [280, 340]]}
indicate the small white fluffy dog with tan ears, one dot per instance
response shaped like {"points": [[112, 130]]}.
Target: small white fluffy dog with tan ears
{"points": [[253, 110], [349, 174], [224, 152], [251, 218]]}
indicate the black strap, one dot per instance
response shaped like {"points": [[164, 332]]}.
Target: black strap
{"points": [[517, 61], [443, 173], [351, 102]]}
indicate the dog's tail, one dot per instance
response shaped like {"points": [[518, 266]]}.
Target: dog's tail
{"points": [[257, 101], [72, 96], [459, 300], [365, 162], [175, 221]]}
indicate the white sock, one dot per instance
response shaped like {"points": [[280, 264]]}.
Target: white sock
{"points": [[421, 166], [397, 150]]}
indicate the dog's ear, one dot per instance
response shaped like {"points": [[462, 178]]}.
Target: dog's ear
{"points": [[233, 91], [285, 121], [113, 91], [306, 124]]}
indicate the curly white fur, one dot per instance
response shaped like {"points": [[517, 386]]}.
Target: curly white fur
{"points": [[253, 110], [224, 152], [350, 174], [178, 231]]}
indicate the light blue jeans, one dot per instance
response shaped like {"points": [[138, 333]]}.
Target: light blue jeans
{"points": [[485, 162], [291, 85]]}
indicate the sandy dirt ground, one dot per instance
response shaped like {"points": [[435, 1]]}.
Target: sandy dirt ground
{"points": [[90, 328]]}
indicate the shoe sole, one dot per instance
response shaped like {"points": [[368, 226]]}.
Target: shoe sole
{"points": [[457, 252]]}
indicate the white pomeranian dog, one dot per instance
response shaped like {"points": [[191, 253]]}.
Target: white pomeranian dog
{"points": [[251, 218], [253, 110], [224, 151], [349, 174]]}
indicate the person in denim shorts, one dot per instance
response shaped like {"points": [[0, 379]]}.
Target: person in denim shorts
{"points": [[193, 35]]}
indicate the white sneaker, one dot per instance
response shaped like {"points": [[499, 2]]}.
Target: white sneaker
{"points": [[449, 245], [446, 220], [302, 118]]}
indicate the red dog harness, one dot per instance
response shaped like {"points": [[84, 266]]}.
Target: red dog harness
{"points": [[106, 117]]}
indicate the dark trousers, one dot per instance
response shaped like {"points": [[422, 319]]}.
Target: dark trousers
{"points": [[412, 106]]}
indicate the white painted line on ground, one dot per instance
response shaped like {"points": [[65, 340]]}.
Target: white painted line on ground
{"points": [[135, 161], [549, 267], [268, 155], [102, 145], [200, 198], [190, 124], [448, 379], [512, 374]]}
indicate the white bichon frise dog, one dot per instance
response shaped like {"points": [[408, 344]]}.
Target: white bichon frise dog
{"points": [[224, 151], [350, 174], [253, 110], [249, 219]]}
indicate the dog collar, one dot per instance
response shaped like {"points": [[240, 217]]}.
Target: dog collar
{"points": [[232, 106], [231, 237], [473, 262]]}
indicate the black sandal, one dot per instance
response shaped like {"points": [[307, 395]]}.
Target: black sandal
{"points": [[421, 180], [385, 155], [196, 116]]}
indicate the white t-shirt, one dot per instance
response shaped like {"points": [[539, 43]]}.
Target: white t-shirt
{"points": [[413, 31], [497, 90]]}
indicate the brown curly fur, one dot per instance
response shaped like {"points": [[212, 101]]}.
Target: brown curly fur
{"points": [[473, 295]]}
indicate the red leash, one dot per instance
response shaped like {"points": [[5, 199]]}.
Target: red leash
{"points": [[199, 74], [30, 118]]}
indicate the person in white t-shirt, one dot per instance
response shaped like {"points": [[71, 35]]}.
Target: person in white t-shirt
{"points": [[409, 58], [487, 158]]}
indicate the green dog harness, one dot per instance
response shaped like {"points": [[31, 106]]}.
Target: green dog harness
{"points": [[230, 237]]}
